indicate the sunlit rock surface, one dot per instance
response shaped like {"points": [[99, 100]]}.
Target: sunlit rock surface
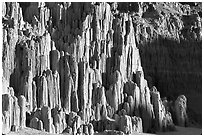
{"points": [[83, 68]]}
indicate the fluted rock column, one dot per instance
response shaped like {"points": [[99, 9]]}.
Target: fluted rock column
{"points": [[91, 129], [22, 105], [90, 87], [26, 88], [147, 111], [112, 97], [131, 104], [54, 60], [5, 122], [156, 101], [74, 102], [56, 89], [7, 109], [62, 72], [34, 123], [83, 87], [50, 88], [69, 89], [42, 63], [126, 124], [42, 92], [133, 92], [99, 96], [74, 72], [41, 24], [137, 124], [16, 112], [180, 110], [34, 90], [57, 123], [115, 93], [69, 85], [126, 107], [40, 125], [46, 118]]}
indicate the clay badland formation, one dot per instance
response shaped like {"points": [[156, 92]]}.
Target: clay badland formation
{"points": [[83, 68]]}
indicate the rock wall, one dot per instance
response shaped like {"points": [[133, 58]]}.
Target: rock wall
{"points": [[77, 67], [171, 51]]}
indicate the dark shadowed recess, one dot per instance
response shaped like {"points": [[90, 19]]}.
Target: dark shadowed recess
{"points": [[24, 6], [175, 68]]}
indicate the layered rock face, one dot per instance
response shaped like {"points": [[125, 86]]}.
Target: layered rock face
{"points": [[76, 68]]}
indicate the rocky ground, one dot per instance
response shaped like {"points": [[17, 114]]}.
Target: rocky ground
{"points": [[178, 131], [106, 68], [183, 131]]}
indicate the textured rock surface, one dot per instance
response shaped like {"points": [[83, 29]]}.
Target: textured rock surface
{"points": [[180, 110], [163, 117], [137, 124], [126, 124], [76, 68], [22, 105]]}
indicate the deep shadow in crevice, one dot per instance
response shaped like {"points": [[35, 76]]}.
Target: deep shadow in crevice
{"points": [[176, 69]]}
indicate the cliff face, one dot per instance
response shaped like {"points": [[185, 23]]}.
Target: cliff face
{"points": [[172, 50], [79, 66], [169, 39]]}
